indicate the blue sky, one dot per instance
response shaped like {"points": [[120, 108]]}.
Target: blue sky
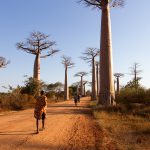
{"points": [[74, 28]]}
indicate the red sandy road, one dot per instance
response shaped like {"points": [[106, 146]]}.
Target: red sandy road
{"points": [[67, 128]]}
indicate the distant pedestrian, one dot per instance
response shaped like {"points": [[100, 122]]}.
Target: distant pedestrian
{"points": [[40, 110], [79, 98], [75, 99]]}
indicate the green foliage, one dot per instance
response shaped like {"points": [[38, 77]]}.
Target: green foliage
{"points": [[32, 86], [55, 91], [134, 83], [72, 90], [58, 86], [132, 95]]}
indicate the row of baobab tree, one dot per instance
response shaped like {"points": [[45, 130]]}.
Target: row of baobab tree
{"points": [[37, 43]]}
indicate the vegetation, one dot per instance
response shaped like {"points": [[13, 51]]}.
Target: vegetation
{"points": [[15, 100], [123, 127], [55, 91], [23, 97]]}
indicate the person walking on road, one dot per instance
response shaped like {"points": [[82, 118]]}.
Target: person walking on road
{"points": [[40, 110], [75, 99]]}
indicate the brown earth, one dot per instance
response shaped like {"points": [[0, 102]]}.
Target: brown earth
{"points": [[67, 128]]}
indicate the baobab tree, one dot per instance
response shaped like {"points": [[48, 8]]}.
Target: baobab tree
{"points": [[67, 62], [84, 83], [89, 56], [81, 75], [3, 62], [36, 44], [118, 75], [107, 93], [135, 72], [97, 76]]}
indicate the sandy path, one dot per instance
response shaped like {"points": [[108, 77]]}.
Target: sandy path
{"points": [[67, 128]]}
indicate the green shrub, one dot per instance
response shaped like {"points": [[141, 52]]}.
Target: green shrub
{"points": [[132, 95]]}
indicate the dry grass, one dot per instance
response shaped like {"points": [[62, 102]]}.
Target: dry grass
{"points": [[128, 131]]}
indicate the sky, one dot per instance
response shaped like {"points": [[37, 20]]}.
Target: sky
{"points": [[74, 27]]}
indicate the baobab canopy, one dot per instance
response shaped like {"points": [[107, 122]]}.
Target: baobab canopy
{"points": [[99, 3], [36, 44]]}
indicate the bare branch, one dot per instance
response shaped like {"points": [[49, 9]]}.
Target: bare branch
{"points": [[118, 3], [81, 74], [67, 62], [118, 75], [3, 62], [100, 3], [36, 43], [93, 3], [23, 47], [90, 54], [50, 53]]}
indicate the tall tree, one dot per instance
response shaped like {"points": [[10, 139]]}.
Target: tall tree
{"points": [[97, 76], [81, 75], [107, 93], [36, 44], [135, 72], [84, 83], [3, 62], [67, 62], [89, 55], [118, 75]]}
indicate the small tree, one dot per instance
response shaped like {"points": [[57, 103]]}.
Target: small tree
{"points": [[32, 86], [89, 56], [67, 62], [36, 44], [135, 72], [3, 62], [107, 93], [81, 75], [76, 87]]}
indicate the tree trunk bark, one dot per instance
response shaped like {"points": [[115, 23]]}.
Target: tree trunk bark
{"points": [[36, 72], [118, 88], [66, 90], [93, 81], [97, 78], [107, 93], [84, 90], [82, 93]]}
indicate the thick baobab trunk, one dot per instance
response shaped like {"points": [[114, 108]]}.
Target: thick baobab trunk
{"points": [[93, 81], [107, 93], [36, 72], [97, 78], [66, 90], [81, 87]]}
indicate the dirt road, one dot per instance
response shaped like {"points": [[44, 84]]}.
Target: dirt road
{"points": [[67, 128]]}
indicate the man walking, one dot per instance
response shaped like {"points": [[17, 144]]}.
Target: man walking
{"points": [[40, 110]]}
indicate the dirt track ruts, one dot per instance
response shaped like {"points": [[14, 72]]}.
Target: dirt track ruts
{"points": [[67, 128]]}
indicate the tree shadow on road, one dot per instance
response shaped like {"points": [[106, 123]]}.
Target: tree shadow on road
{"points": [[29, 132]]}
